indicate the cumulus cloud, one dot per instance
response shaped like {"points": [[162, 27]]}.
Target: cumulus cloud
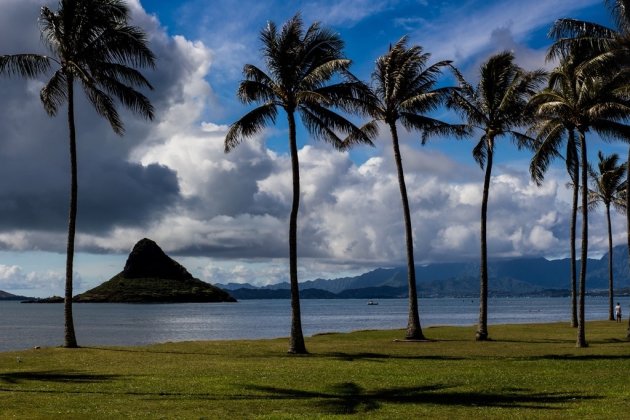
{"points": [[14, 277]]}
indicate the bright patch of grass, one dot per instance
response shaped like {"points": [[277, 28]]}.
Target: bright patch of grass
{"points": [[527, 371]]}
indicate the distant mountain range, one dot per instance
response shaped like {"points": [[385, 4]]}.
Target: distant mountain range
{"points": [[515, 277]]}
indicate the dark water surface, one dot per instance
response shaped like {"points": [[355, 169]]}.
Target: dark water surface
{"points": [[27, 325]]}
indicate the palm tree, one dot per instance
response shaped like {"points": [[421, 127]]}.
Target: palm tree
{"points": [[404, 91], [90, 42], [594, 103], [496, 107], [551, 129], [610, 49], [608, 182], [300, 65]]}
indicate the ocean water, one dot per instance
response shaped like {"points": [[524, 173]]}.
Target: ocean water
{"points": [[24, 326]]}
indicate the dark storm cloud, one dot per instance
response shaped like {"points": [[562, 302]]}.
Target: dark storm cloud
{"points": [[34, 168]]}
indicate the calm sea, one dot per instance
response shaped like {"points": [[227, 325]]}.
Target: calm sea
{"points": [[27, 325]]}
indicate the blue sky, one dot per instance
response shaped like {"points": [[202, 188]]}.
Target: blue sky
{"points": [[225, 216]]}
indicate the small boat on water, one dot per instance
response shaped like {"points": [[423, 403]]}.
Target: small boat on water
{"points": [[372, 302]]}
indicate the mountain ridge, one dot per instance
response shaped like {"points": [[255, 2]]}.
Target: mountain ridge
{"points": [[518, 276]]}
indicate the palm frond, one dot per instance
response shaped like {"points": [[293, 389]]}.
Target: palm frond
{"points": [[250, 124], [104, 106], [54, 93], [480, 151], [27, 65], [545, 150], [324, 124], [129, 97]]}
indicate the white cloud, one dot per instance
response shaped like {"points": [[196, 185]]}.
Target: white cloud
{"points": [[344, 11], [14, 277]]}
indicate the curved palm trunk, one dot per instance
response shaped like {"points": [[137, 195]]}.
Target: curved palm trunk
{"points": [[581, 337], [611, 297], [574, 208], [414, 331], [296, 341], [70, 339], [482, 327]]}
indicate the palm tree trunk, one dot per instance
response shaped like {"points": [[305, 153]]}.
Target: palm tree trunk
{"points": [[574, 208], [296, 341], [628, 222], [581, 336], [70, 340], [482, 327], [414, 331], [611, 297]]}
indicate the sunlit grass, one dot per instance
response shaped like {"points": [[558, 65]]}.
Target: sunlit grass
{"points": [[526, 371]]}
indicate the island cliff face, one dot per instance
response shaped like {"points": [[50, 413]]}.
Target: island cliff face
{"points": [[151, 276]]}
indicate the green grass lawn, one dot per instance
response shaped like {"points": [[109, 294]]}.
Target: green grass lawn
{"points": [[527, 371]]}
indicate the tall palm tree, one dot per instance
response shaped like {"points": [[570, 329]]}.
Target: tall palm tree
{"points": [[404, 90], [551, 130], [610, 51], [300, 63], [496, 107], [608, 183], [90, 42], [595, 103]]}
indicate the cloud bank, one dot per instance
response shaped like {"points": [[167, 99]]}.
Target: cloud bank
{"points": [[171, 181]]}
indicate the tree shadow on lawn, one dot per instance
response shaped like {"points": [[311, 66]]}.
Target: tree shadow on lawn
{"points": [[350, 398], [577, 357], [53, 376], [351, 357], [149, 351]]}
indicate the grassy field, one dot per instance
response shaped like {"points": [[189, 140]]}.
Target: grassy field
{"points": [[527, 371]]}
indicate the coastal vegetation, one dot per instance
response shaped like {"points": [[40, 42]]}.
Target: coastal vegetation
{"points": [[306, 74], [526, 371]]}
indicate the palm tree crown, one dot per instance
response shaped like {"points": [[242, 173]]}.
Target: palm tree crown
{"points": [[405, 90], [91, 42], [497, 105], [301, 64], [608, 182]]}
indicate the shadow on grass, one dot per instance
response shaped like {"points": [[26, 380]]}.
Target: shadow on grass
{"points": [[351, 357], [577, 357], [350, 398], [536, 341], [53, 376], [149, 351]]}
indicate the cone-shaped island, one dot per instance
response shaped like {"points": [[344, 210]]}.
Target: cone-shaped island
{"points": [[151, 276]]}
